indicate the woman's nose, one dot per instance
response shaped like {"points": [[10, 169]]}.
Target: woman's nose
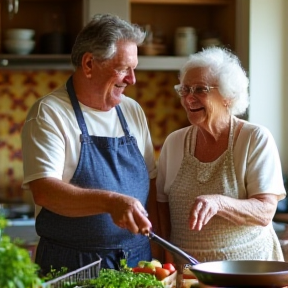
{"points": [[190, 98]]}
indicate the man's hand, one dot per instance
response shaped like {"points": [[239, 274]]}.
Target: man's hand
{"points": [[128, 213]]}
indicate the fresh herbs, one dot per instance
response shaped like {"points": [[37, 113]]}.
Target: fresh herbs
{"points": [[125, 278], [109, 278], [17, 270], [55, 273]]}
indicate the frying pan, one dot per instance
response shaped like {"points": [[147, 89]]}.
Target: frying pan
{"points": [[242, 273]]}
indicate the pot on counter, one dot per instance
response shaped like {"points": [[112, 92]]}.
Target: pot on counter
{"points": [[238, 273]]}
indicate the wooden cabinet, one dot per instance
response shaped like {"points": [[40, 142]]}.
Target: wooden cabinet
{"points": [[214, 17], [44, 16], [210, 18]]}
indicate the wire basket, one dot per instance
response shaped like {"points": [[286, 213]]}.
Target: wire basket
{"points": [[76, 278]]}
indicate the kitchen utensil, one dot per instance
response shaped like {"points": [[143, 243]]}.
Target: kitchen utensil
{"points": [[238, 273]]}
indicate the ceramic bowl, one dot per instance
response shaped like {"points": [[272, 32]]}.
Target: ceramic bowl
{"points": [[20, 34], [21, 47]]}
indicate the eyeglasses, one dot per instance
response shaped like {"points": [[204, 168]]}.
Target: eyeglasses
{"points": [[195, 90]]}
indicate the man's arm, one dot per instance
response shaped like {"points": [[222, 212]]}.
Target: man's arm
{"points": [[72, 201]]}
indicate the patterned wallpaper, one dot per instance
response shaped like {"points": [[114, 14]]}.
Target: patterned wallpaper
{"points": [[19, 90]]}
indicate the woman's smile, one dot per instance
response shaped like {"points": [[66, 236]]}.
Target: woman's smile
{"points": [[196, 109]]}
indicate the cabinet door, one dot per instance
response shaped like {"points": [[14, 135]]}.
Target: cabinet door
{"points": [[210, 19], [118, 7], [43, 16]]}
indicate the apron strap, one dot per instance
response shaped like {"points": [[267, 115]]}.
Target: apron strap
{"points": [[80, 118], [77, 110], [122, 121]]}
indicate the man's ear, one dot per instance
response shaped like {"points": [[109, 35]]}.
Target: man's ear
{"points": [[87, 64]]}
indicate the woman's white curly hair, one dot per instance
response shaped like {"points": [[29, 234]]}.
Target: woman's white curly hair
{"points": [[226, 69]]}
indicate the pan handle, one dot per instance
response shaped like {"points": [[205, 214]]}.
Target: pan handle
{"points": [[171, 248]]}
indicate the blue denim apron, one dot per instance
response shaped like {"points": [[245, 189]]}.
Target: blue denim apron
{"points": [[114, 164]]}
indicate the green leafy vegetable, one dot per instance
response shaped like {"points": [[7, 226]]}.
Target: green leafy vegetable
{"points": [[109, 278], [17, 270], [55, 273]]}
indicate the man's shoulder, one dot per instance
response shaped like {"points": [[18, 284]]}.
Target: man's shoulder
{"points": [[128, 102], [52, 101], [131, 108], [55, 96]]}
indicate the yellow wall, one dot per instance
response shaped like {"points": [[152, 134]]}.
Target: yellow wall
{"points": [[19, 90]]}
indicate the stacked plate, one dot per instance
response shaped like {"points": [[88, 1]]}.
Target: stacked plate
{"points": [[19, 41]]}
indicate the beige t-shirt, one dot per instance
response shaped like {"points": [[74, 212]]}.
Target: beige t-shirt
{"points": [[219, 239], [50, 136], [256, 160]]}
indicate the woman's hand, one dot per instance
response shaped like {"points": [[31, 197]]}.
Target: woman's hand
{"points": [[202, 210], [257, 210]]}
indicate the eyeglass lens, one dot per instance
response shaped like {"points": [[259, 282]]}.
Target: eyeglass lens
{"points": [[197, 90]]}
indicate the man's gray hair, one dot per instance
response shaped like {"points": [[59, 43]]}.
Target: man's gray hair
{"points": [[101, 35]]}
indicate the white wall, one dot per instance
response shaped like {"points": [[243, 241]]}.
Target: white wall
{"points": [[268, 70]]}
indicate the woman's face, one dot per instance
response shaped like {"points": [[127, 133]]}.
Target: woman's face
{"points": [[203, 103]]}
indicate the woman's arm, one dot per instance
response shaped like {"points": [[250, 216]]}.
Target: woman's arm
{"points": [[257, 210]]}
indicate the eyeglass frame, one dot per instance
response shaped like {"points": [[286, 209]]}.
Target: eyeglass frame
{"points": [[191, 89]]}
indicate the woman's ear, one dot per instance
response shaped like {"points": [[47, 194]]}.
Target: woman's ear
{"points": [[227, 102], [87, 64]]}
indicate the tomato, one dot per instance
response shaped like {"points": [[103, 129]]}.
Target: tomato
{"points": [[169, 266], [161, 273], [143, 270]]}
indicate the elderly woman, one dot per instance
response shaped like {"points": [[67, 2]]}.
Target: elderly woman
{"points": [[220, 179]]}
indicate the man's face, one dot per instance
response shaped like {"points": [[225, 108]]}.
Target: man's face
{"points": [[111, 77]]}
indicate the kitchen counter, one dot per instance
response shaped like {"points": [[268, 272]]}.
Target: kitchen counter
{"points": [[23, 229]]}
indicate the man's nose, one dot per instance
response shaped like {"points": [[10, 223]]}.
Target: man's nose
{"points": [[130, 77]]}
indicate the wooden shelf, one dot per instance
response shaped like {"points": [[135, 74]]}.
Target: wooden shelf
{"points": [[159, 63], [62, 62], [185, 2], [35, 62], [216, 17]]}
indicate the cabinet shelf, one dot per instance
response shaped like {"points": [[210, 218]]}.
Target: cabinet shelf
{"points": [[215, 16], [62, 62], [35, 62], [159, 63], [185, 2]]}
